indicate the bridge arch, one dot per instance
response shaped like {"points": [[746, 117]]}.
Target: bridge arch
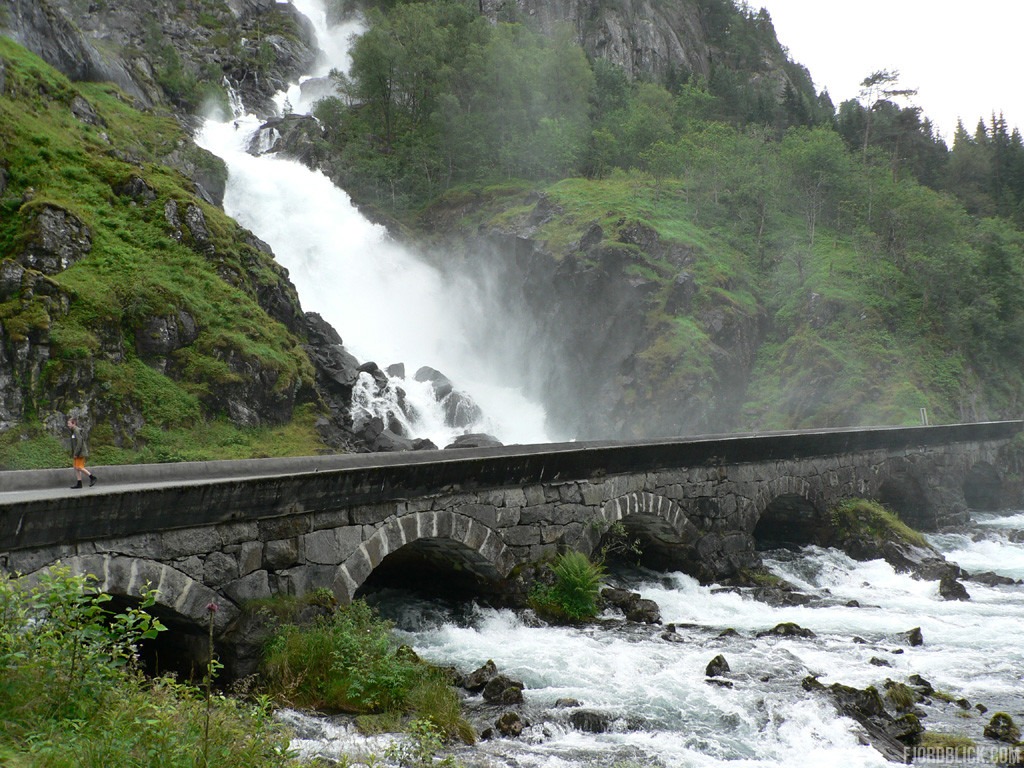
{"points": [[178, 595], [983, 487], [665, 533], [181, 605], [791, 520], [473, 545]]}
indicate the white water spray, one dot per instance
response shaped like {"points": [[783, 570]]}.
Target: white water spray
{"points": [[389, 305]]}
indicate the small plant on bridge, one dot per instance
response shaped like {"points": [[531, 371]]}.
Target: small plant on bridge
{"points": [[575, 592], [350, 662]]}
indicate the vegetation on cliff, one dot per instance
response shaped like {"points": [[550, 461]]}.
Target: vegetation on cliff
{"points": [[125, 294]]}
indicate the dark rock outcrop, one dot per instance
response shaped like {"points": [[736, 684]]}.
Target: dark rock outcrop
{"points": [[717, 666], [889, 735], [590, 721], [786, 629]]}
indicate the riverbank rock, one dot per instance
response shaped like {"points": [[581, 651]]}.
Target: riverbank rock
{"points": [[891, 736], [501, 689], [479, 677], [634, 607], [510, 725], [1002, 728]]}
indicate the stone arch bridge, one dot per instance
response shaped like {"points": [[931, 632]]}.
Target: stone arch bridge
{"points": [[228, 532]]}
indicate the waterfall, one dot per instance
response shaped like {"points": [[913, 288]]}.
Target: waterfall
{"points": [[389, 304]]}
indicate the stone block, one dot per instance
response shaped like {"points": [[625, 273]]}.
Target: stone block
{"points": [[508, 516], [322, 547], [592, 494], [485, 513], [513, 497], [284, 527], [255, 585], [191, 567], [331, 518], [250, 557], [541, 513], [551, 533], [219, 568], [522, 535], [279, 554], [374, 513], [569, 493], [237, 533], [188, 541], [534, 495]]}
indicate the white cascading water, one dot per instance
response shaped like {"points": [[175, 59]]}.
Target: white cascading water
{"points": [[388, 305], [391, 307], [664, 714]]}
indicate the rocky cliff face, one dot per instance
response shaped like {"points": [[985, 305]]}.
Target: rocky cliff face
{"points": [[646, 38], [168, 52]]}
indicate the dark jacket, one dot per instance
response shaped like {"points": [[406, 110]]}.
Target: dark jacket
{"points": [[78, 445]]}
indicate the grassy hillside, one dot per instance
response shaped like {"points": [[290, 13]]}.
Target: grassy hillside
{"points": [[76, 339], [856, 331]]}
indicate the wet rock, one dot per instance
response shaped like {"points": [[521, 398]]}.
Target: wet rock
{"points": [[889, 735], [921, 685], [875, 661], [717, 666], [590, 721], [1002, 728], [502, 689], [644, 612], [786, 629], [567, 703], [509, 724], [951, 589], [914, 636], [478, 678], [990, 579], [719, 682], [730, 632]]}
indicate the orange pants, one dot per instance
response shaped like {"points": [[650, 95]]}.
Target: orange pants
{"points": [[79, 462]]}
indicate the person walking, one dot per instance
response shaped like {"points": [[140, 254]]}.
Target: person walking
{"points": [[79, 453]]}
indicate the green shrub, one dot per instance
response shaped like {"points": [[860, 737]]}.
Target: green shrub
{"points": [[350, 662], [860, 517], [574, 595], [71, 695]]}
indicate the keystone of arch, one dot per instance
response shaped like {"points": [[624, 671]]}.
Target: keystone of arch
{"points": [[400, 531], [126, 576]]}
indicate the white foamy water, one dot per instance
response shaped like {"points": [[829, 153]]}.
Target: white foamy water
{"points": [[388, 304], [662, 711]]}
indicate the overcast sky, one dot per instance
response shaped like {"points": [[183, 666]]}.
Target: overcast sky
{"points": [[963, 58]]}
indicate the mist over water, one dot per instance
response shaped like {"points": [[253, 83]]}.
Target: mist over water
{"points": [[389, 304]]}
